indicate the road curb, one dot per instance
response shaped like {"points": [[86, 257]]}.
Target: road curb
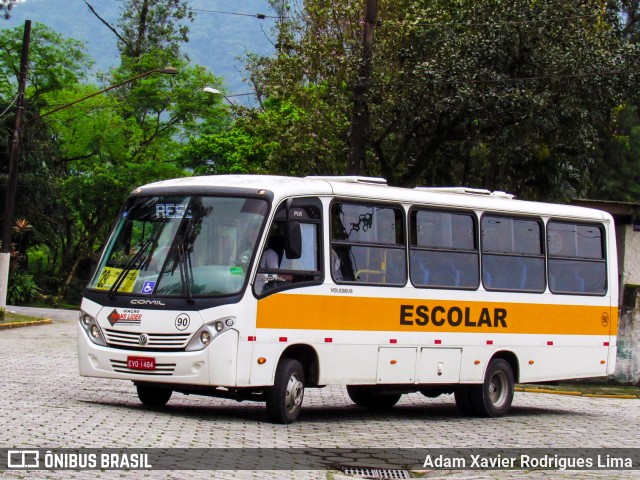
{"points": [[576, 394], [6, 326]]}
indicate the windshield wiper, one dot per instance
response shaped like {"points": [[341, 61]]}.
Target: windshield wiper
{"points": [[127, 268], [186, 272]]}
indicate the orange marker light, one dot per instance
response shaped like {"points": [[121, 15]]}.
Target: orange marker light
{"points": [[262, 360], [393, 362], [531, 362]]}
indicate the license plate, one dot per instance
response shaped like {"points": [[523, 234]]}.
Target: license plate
{"points": [[141, 363]]}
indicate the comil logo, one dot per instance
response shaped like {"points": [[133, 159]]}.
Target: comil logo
{"points": [[23, 459]]}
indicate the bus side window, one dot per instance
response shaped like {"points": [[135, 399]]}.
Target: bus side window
{"points": [[577, 262], [368, 244], [443, 249], [512, 254]]}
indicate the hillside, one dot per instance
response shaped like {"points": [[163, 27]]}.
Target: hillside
{"points": [[217, 40]]}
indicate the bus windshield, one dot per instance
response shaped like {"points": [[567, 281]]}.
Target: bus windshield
{"points": [[181, 246]]}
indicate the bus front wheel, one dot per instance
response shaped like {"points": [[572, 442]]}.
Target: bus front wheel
{"points": [[493, 398], [284, 399], [153, 396]]}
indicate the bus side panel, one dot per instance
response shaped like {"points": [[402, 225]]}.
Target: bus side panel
{"points": [[614, 295], [613, 340], [557, 363], [347, 364], [223, 355], [263, 372]]}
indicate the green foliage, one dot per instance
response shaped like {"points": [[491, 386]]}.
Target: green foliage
{"points": [[619, 177], [130, 135], [232, 151], [22, 288], [5, 7], [54, 62], [148, 25], [504, 95], [79, 163]]}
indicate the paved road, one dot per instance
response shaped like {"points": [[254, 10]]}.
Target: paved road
{"points": [[46, 404]]}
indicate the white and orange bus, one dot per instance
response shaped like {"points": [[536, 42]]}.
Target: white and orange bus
{"points": [[257, 287]]}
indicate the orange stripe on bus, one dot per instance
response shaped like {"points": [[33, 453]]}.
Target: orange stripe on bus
{"points": [[319, 312]]}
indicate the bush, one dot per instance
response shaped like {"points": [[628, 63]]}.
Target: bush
{"points": [[22, 289]]}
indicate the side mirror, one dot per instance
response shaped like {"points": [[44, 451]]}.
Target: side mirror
{"points": [[293, 240]]}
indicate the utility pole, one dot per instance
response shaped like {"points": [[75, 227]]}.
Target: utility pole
{"points": [[9, 207], [360, 117]]}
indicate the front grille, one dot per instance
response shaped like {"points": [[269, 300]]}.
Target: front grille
{"points": [[120, 366], [120, 338]]}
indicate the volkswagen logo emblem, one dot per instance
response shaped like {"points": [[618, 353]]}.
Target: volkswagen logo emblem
{"points": [[143, 339]]}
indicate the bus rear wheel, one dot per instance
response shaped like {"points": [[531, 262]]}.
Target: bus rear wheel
{"points": [[365, 396], [284, 399], [493, 398], [153, 396]]}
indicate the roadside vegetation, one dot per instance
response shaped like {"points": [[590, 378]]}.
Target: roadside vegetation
{"points": [[537, 98], [10, 317]]}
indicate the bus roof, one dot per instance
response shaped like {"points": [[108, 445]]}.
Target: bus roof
{"points": [[376, 189]]}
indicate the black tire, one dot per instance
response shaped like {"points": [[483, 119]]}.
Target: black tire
{"points": [[284, 399], [153, 396], [493, 398], [365, 396], [462, 395], [435, 392]]}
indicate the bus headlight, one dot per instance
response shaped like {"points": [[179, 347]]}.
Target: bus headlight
{"points": [[203, 337], [91, 327]]}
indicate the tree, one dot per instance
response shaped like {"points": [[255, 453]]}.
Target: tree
{"points": [[55, 63], [150, 25], [6, 6], [504, 95], [619, 177], [132, 135]]}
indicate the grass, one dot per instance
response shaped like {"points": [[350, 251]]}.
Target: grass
{"points": [[587, 388], [16, 318]]}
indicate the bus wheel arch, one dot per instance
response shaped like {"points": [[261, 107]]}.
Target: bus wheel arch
{"points": [[511, 359], [308, 357]]}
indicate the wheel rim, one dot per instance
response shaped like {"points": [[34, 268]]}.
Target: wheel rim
{"points": [[294, 394], [498, 389]]}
